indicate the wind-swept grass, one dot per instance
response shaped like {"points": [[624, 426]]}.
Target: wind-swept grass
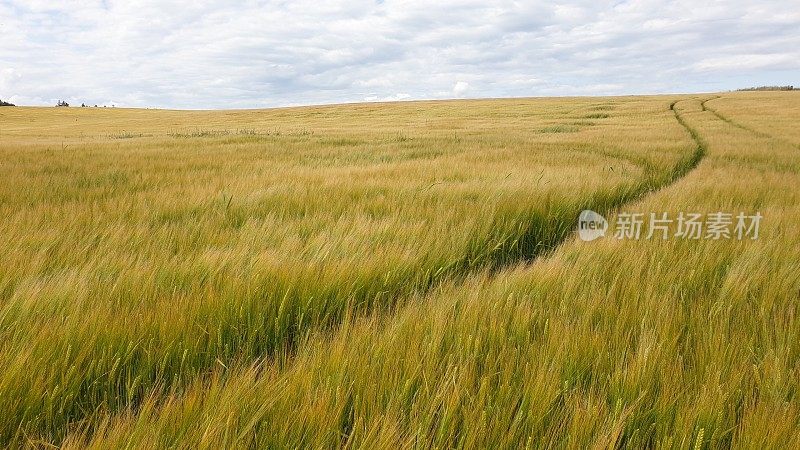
{"points": [[560, 128], [611, 343], [770, 113], [133, 267]]}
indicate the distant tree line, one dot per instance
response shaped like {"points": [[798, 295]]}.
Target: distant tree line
{"points": [[62, 103], [59, 104], [768, 88]]}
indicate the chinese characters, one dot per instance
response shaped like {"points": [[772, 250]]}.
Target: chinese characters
{"points": [[714, 226]]}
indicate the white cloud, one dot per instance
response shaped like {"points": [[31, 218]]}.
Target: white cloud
{"points": [[460, 88], [257, 53], [390, 98], [748, 62]]}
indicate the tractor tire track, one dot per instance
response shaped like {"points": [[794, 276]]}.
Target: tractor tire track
{"points": [[384, 320], [539, 238], [742, 126]]}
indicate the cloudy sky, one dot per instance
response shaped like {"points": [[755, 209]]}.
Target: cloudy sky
{"points": [[226, 54]]}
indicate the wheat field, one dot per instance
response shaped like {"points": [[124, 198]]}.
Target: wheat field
{"points": [[399, 275]]}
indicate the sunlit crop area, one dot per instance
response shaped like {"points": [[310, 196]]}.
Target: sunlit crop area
{"points": [[398, 275]]}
